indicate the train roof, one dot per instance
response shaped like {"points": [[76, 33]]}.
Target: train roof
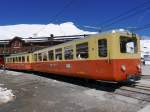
{"points": [[120, 32]]}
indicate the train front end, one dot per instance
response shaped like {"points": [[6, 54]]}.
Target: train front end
{"points": [[126, 58]]}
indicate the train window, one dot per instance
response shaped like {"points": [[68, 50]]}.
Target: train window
{"points": [[19, 59], [39, 57], [16, 59], [44, 56], [128, 45], [10, 60], [13, 60], [58, 54], [51, 55], [35, 57], [68, 53], [102, 48], [82, 51], [23, 59], [27, 58], [7, 60]]}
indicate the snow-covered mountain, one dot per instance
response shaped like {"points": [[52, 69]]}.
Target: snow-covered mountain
{"points": [[30, 30]]}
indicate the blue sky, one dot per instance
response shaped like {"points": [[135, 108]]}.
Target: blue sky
{"points": [[81, 12]]}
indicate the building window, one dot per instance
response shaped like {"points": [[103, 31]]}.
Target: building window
{"points": [[16, 44], [58, 54], [68, 53], [102, 48], [19, 44], [82, 51]]}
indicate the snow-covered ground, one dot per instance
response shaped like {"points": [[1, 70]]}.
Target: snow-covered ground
{"points": [[6, 95]]}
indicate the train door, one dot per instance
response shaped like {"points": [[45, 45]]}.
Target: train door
{"points": [[104, 69], [103, 52]]}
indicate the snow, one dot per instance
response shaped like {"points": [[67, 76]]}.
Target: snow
{"points": [[6, 95], [144, 82], [145, 109], [147, 62], [145, 47], [13, 73], [39, 30]]}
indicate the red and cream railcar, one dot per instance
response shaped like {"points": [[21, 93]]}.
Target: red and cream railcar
{"points": [[19, 61], [1, 62], [111, 56]]}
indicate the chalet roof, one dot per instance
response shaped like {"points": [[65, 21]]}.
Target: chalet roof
{"points": [[16, 38], [43, 39]]}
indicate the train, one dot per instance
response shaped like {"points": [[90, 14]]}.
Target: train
{"points": [[109, 56], [1, 62]]}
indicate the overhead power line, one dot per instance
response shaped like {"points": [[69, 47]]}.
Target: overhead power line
{"points": [[146, 26], [127, 17], [116, 19], [61, 11]]}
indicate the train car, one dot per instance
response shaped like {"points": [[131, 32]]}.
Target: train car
{"points": [[109, 56], [20, 61], [1, 62]]}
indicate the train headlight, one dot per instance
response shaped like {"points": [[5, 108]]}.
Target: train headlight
{"points": [[123, 67]]}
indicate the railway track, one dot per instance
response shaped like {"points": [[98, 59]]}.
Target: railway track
{"points": [[145, 76], [136, 91]]}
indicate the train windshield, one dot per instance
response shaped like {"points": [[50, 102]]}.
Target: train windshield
{"points": [[128, 45]]}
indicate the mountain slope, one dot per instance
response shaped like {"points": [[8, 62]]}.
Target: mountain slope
{"points": [[29, 30]]}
